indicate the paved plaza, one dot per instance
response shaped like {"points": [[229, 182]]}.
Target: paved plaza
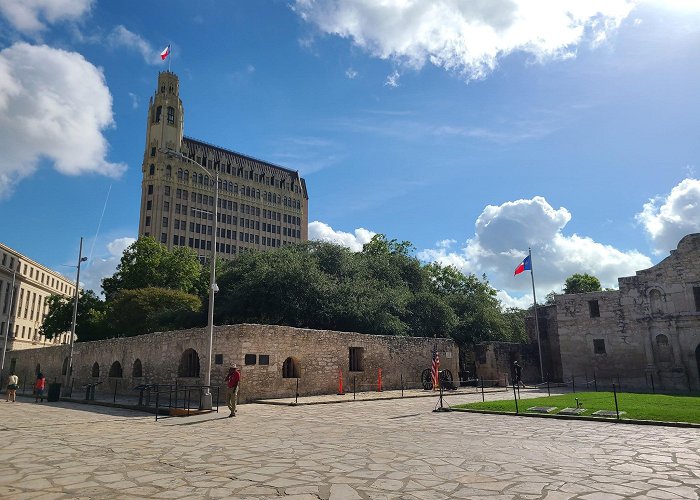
{"points": [[381, 449]]}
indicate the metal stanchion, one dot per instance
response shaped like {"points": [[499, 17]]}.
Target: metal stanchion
{"points": [[515, 396], [617, 410], [595, 381], [548, 393], [114, 400], [653, 390], [573, 383], [296, 394], [354, 380], [483, 398], [402, 385]]}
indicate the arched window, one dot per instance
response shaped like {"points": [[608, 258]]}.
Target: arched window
{"points": [[189, 364], [156, 118], [655, 302], [115, 370], [168, 171], [137, 370], [290, 368], [663, 349], [179, 173], [661, 340], [152, 169], [200, 178], [96, 370], [230, 186], [186, 176], [206, 180], [171, 115]]}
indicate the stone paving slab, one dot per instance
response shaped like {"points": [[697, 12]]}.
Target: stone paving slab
{"points": [[395, 448]]}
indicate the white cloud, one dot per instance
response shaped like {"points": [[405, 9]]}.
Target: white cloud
{"points": [[392, 80], [134, 100], [668, 218], [122, 37], [324, 232], [101, 267], [351, 73], [53, 105], [466, 36], [502, 238], [31, 16]]}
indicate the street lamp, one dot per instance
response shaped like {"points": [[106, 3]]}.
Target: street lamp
{"points": [[7, 326], [206, 403], [69, 369]]}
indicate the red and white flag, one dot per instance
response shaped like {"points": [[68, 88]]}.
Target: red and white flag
{"points": [[165, 53]]}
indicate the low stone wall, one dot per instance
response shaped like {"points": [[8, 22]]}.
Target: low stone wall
{"points": [[317, 355]]}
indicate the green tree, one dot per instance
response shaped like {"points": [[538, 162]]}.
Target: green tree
{"points": [[581, 283], [90, 323], [151, 309], [147, 263]]}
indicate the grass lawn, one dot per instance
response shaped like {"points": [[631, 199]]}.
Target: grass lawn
{"points": [[636, 406]]}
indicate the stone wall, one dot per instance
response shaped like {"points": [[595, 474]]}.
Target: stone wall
{"points": [[494, 362], [319, 355]]}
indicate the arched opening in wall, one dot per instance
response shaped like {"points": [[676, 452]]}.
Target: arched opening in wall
{"points": [[656, 302], [663, 349], [96, 370], [189, 364], [137, 370], [64, 370], [697, 359], [290, 368], [115, 370]]}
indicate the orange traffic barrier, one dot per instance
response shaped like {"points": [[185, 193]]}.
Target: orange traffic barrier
{"points": [[340, 382], [379, 381]]}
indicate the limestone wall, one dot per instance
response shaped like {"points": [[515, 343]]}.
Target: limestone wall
{"points": [[318, 354]]}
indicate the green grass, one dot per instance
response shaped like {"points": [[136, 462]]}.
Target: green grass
{"points": [[636, 406]]}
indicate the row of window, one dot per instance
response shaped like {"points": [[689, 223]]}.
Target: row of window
{"points": [[8, 260], [226, 248]]}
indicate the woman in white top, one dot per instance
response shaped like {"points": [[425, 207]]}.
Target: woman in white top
{"points": [[12, 385]]}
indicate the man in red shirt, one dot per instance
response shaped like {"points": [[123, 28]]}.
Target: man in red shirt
{"points": [[232, 381]]}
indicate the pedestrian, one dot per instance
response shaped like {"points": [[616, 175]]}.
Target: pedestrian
{"points": [[39, 387], [12, 384], [232, 382], [518, 374]]}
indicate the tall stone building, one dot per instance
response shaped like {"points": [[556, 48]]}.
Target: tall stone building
{"points": [[261, 205], [25, 307]]}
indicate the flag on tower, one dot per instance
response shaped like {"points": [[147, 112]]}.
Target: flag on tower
{"points": [[525, 265], [165, 53], [435, 368]]}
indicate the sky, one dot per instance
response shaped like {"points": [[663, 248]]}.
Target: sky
{"points": [[475, 129]]}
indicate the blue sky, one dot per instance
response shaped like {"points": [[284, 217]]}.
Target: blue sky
{"points": [[472, 129]]}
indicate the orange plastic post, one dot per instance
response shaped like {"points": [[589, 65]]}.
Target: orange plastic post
{"points": [[340, 382], [379, 381]]}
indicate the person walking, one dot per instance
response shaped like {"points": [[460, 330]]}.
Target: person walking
{"points": [[233, 380], [518, 374], [39, 387], [12, 384]]}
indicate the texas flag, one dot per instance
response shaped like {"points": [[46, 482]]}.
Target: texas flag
{"points": [[525, 265], [165, 53]]}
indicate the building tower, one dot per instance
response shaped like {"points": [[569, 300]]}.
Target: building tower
{"points": [[261, 205]]}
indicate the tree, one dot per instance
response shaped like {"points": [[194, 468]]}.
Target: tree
{"points": [[146, 310], [147, 263], [581, 283], [89, 325]]}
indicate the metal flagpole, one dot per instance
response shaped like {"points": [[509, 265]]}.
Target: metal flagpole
{"points": [[170, 55], [7, 326], [537, 323]]}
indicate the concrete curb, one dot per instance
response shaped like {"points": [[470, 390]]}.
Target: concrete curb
{"points": [[686, 425]]}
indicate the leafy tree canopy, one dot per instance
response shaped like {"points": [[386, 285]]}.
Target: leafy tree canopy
{"points": [[89, 323], [581, 283], [147, 263]]}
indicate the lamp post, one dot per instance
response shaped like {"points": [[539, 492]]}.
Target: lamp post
{"points": [[207, 396], [69, 369], [7, 326]]}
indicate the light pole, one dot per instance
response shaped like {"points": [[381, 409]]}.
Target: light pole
{"points": [[69, 369], [7, 326], [207, 396]]}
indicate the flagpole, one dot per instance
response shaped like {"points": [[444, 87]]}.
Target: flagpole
{"points": [[537, 323], [170, 56]]}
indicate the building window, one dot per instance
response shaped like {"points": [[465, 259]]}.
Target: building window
{"points": [[167, 191], [189, 364], [250, 359], [165, 222], [218, 359], [594, 309], [171, 115], [264, 359], [150, 189], [696, 293], [96, 370], [148, 220], [356, 359], [153, 151], [655, 302], [290, 368], [599, 346], [159, 109], [662, 340], [137, 370], [115, 370]]}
